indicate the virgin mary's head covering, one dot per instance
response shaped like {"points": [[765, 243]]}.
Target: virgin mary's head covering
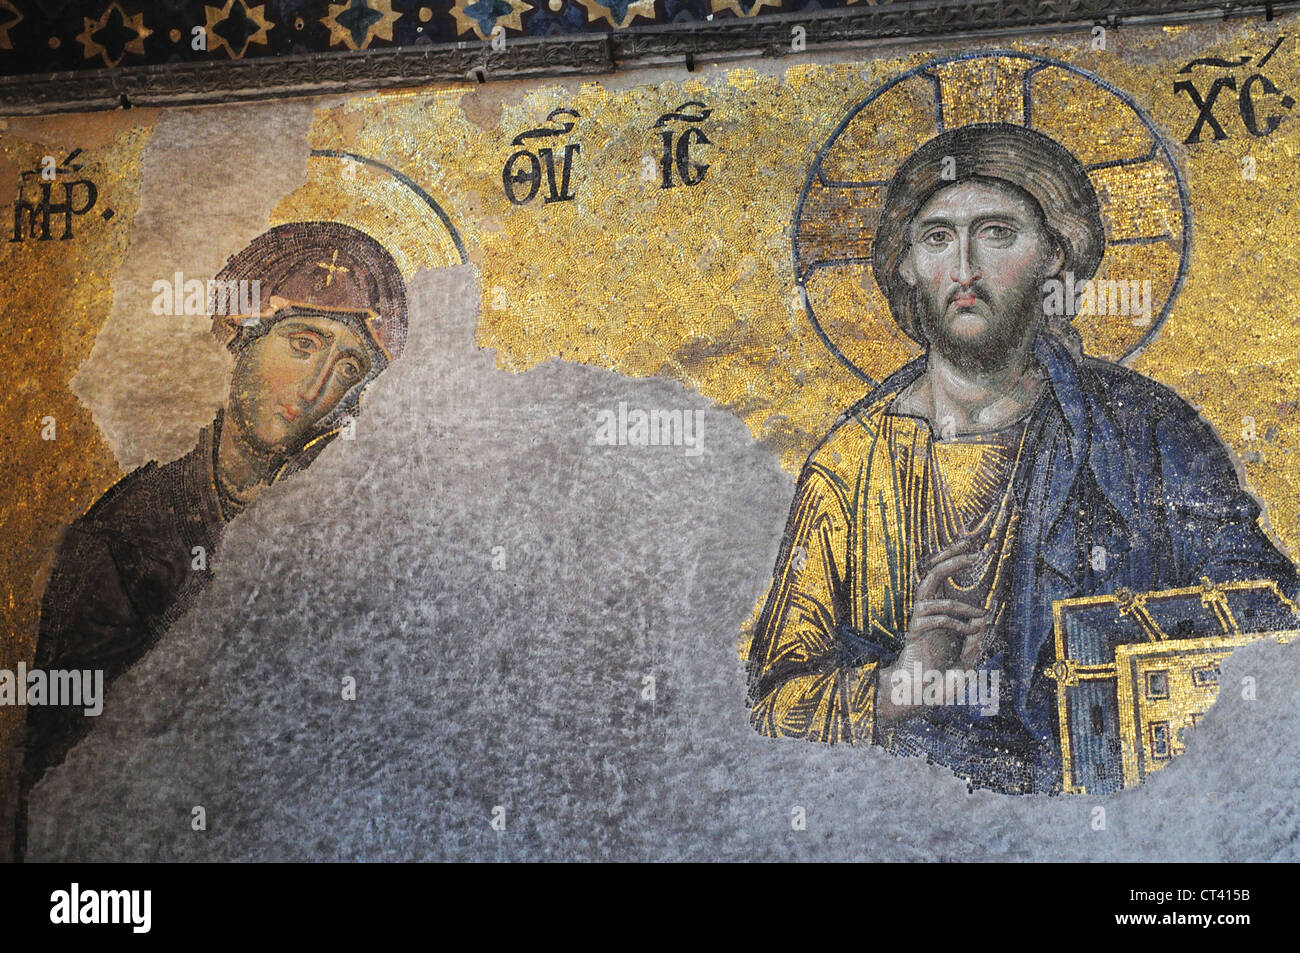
{"points": [[998, 153], [326, 268]]}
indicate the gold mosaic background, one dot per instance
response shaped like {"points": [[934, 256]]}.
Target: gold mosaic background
{"points": [[52, 303], [691, 283]]}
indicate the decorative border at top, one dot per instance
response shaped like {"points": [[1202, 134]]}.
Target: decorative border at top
{"points": [[527, 57]]}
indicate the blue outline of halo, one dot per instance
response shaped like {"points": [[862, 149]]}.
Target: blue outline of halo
{"points": [[410, 184], [1042, 61]]}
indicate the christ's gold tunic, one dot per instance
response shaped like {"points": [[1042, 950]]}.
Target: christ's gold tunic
{"points": [[875, 503]]}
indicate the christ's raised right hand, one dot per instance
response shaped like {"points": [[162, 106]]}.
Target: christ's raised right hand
{"points": [[942, 625], [942, 629]]}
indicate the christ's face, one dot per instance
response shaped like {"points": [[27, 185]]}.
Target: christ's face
{"points": [[978, 257], [289, 379]]}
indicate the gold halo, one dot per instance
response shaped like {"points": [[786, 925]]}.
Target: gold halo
{"points": [[384, 203], [1143, 200]]}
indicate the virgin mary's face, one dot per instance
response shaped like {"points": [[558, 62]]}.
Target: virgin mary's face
{"points": [[289, 379]]}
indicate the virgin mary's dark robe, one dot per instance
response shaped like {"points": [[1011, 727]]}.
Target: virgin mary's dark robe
{"points": [[124, 572]]}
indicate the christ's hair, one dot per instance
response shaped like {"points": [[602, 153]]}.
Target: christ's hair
{"points": [[1019, 160]]}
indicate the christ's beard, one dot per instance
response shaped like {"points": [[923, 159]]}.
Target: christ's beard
{"points": [[992, 348]]}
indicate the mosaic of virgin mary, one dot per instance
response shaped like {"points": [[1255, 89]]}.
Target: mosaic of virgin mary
{"points": [[332, 317]]}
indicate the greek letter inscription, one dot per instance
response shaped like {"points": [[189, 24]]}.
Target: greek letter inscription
{"points": [[521, 176], [1249, 97], [678, 156], [39, 199]]}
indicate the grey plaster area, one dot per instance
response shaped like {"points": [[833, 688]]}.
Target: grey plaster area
{"points": [[524, 687], [190, 221]]}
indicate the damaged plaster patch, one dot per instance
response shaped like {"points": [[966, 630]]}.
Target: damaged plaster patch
{"points": [[524, 687], [152, 380]]}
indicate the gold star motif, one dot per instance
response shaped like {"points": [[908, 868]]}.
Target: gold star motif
{"points": [[382, 28], [216, 15], [638, 8], [466, 23], [717, 6], [90, 27], [5, 42], [332, 266]]}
